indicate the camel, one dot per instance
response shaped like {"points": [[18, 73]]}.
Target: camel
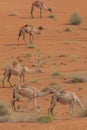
{"points": [[29, 30], [65, 97], [39, 5], [17, 69], [30, 93]]}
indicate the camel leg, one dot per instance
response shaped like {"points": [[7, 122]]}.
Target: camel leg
{"points": [[4, 81], [21, 77], [31, 37], [9, 76], [53, 103], [36, 106], [32, 9], [40, 12], [24, 38]]}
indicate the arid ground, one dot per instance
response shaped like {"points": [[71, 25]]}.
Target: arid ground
{"points": [[57, 50]]}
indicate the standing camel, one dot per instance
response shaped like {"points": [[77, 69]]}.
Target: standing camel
{"points": [[30, 93], [39, 5], [65, 97], [17, 69], [29, 30]]}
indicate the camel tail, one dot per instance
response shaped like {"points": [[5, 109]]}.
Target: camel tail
{"points": [[80, 103], [19, 35]]}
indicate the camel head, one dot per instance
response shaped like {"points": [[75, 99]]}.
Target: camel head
{"points": [[40, 28], [49, 9]]}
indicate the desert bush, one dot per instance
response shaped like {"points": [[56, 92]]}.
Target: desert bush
{"points": [[55, 86], [76, 78], [52, 16], [31, 45], [40, 59], [28, 54], [13, 14], [75, 19], [5, 112], [83, 112], [43, 119], [56, 73], [34, 80]]}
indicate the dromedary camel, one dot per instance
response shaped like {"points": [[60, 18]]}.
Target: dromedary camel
{"points": [[39, 5], [30, 93], [17, 69], [65, 97], [29, 29]]}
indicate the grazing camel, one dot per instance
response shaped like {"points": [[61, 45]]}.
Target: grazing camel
{"points": [[65, 97], [30, 93], [29, 30], [17, 69], [39, 5]]}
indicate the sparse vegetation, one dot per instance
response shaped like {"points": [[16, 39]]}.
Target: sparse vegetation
{"points": [[55, 85], [56, 73], [75, 19], [31, 45], [52, 16], [28, 54], [43, 119], [34, 80], [83, 113], [41, 59], [13, 14], [5, 112], [78, 78]]}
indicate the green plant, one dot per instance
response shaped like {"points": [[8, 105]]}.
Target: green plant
{"points": [[56, 73], [83, 112], [73, 58], [52, 16], [75, 19], [55, 85], [40, 59], [43, 119], [31, 45], [28, 54], [5, 112], [35, 80]]}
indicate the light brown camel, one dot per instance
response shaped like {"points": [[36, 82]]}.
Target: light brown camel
{"points": [[30, 93], [17, 69], [29, 29], [65, 97], [39, 5]]}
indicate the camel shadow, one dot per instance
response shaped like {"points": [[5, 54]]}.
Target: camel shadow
{"points": [[14, 44]]}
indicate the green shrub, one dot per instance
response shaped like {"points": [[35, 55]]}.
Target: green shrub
{"points": [[43, 119], [52, 16], [76, 78], [55, 86], [5, 112], [56, 73], [83, 112], [75, 19], [31, 45]]}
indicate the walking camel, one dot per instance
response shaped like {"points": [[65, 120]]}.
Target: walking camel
{"points": [[39, 5], [28, 29], [17, 69], [30, 93], [65, 97]]}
